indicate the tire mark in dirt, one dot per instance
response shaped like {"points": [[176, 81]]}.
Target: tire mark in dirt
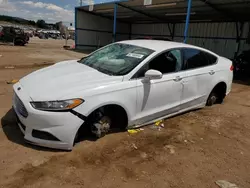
{"points": [[25, 66], [96, 157]]}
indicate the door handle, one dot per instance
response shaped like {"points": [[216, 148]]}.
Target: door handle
{"points": [[211, 72], [177, 78]]}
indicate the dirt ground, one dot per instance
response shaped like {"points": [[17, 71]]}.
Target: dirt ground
{"points": [[192, 150]]}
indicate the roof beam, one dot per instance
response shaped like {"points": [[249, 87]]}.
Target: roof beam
{"points": [[146, 14], [141, 12], [103, 16], [223, 12]]}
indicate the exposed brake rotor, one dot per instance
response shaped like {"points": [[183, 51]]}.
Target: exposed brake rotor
{"points": [[101, 127]]}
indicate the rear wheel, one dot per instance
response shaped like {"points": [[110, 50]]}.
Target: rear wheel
{"points": [[19, 42], [217, 95], [212, 99]]}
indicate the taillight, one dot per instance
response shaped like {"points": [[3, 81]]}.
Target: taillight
{"points": [[231, 68]]}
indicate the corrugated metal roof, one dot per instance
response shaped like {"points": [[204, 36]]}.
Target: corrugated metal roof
{"points": [[175, 10]]}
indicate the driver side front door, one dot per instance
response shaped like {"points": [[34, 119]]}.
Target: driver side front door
{"points": [[160, 97]]}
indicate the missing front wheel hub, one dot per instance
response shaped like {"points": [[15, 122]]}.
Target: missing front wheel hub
{"points": [[102, 127]]}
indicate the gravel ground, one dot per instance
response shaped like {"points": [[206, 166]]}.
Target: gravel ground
{"points": [[192, 150]]}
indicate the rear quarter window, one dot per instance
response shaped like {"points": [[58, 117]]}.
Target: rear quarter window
{"points": [[194, 58], [211, 58]]}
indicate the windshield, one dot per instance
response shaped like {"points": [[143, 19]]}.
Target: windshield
{"points": [[18, 31], [116, 59]]}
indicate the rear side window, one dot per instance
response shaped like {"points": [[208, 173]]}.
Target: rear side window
{"points": [[211, 58], [194, 58]]}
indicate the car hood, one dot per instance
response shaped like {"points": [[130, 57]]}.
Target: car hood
{"points": [[64, 79]]}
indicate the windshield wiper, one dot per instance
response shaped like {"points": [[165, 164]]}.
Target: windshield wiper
{"points": [[123, 71], [79, 61], [103, 71]]}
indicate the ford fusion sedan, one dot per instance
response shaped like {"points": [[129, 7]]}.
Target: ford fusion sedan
{"points": [[122, 85]]}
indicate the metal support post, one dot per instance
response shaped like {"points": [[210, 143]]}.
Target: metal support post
{"points": [[187, 20], [114, 25]]}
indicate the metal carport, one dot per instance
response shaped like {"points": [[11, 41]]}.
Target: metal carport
{"points": [[219, 25]]}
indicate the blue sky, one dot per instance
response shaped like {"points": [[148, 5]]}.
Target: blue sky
{"points": [[49, 10]]}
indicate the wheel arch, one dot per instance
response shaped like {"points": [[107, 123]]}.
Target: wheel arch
{"points": [[220, 88], [89, 118], [103, 105], [222, 85]]}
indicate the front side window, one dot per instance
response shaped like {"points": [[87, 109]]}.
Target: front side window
{"points": [[194, 58], [166, 62], [116, 59], [18, 31]]}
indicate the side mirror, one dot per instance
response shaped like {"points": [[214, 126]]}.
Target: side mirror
{"points": [[153, 74]]}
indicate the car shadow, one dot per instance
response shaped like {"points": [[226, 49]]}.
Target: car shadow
{"points": [[242, 81], [14, 134]]}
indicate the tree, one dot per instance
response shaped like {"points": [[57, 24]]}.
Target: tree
{"points": [[58, 25], [31, 22], [41, 24]]}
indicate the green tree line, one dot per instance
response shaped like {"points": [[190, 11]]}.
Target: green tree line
{"points": [[39, 23]]}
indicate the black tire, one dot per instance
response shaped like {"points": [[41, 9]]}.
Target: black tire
{"points": [[19, 42]]}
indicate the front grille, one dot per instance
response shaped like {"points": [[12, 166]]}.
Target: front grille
{"points": [[19, 106]]}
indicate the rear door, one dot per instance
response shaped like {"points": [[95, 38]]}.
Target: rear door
{"points": [[199, 68], [8, 34]]}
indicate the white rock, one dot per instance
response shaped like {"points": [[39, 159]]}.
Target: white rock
{"points": [[225, 184], [134, 146], [170, 148]]}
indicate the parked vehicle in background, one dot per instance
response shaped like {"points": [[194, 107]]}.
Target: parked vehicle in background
{"points": [[1, 31], [15, 35], [46, 34], [43, 35], [242, 65], [125, 84], [29, 32]]}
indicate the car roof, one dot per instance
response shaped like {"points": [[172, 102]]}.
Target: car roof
{"points": [[160, 45]]}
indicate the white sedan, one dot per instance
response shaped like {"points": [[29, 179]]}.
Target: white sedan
{"points": [[125, 84]]}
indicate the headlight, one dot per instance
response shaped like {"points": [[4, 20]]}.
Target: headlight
{"points": [[57, 105]]}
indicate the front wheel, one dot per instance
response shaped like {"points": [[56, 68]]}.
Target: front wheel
{"points": [[106, 119]]}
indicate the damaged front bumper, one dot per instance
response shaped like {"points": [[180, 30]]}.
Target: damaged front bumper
{"points": [[49, 129]]}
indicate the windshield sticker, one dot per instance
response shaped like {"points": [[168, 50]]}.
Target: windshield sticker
{"points": [[138, 56]]}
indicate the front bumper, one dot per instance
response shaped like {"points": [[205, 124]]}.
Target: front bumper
{"points": [[61, 125]]}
